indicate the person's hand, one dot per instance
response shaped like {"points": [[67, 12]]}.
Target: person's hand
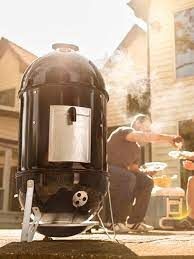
{"points": [[189, 165], [151, 173], [133, 168], [177, 141]]}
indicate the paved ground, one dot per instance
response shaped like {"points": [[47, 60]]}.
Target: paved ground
{"points": [[160, 244]]}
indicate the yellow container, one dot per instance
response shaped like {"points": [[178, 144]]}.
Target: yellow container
{"points": [[162, 181]]}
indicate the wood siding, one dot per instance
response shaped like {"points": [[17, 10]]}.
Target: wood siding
{"points": [[10, 75], [172, 99], [9, 128]]}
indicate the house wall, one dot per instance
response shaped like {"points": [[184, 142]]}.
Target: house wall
{"points": [[9, 128], [172, 99], [10, 75]]}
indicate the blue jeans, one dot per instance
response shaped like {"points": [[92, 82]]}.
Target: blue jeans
{"points": [[124, 187]]}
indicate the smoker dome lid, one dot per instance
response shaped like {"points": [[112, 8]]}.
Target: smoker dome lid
{"points": [[60, 68]]}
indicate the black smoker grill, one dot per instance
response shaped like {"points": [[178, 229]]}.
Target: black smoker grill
{"points": [[62, 141]]}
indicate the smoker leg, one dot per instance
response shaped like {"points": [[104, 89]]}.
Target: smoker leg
{"points": [[29, 229], [33, 226], [27, 210], [47, 238]]}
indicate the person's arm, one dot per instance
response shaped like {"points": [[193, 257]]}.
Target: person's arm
{"points": [[189, 165], [190, 157], [140, 136]]}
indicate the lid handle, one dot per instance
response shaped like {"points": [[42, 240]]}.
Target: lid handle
{"points": [[63, 47]]}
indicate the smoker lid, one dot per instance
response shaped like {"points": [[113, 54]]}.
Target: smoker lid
{"points": [[62, 67]]}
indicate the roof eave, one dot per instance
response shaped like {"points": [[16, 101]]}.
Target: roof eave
{"points": [[141, 8]]}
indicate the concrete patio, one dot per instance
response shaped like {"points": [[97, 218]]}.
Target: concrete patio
{"points": [[157, 244]]}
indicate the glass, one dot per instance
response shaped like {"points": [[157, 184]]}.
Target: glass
{"points": [[1, 199], [7, 97], [13, 202], [184, 41]]}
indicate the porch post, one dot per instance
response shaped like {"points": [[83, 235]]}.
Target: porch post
{"points": [[6, 178]]}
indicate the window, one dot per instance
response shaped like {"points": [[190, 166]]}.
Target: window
{"points": [[7, 97], [139, 103], [1, 199], [184, 43], [13, 202], [1, 187], [138, 98], [2, 157], [1, 177]]}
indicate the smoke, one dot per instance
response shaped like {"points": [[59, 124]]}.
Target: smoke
{"points": [[121, 71], [123, 78], [117, 71], [157, 127]]}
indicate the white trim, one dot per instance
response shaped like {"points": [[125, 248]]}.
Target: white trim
{"points": [[9, 108], [6, 178], [179, 8]]}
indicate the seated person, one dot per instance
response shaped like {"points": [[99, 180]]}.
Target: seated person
{"points": [[127, 183], [188, 222]]}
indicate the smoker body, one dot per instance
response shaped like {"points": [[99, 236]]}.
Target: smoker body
{"points": [[62, 141]]}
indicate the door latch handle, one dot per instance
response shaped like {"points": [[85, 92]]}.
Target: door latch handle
{"points": [[72, 114]]}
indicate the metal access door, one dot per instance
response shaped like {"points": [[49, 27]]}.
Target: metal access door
{"points": [[69, 139]]}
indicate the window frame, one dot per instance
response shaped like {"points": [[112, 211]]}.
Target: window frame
{"points": [[6, 178], [7, 107], [174, 12]]}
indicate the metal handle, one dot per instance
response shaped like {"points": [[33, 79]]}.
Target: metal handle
{"points": [[63, 47], [72, 114]]}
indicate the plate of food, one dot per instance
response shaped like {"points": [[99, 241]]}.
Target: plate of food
{"points": [[153, 167], [177, 154]]}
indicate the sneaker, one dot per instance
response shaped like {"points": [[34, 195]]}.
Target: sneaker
{"points": [[101, 230], [184, 224], [139, 227], [120, 228]]}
